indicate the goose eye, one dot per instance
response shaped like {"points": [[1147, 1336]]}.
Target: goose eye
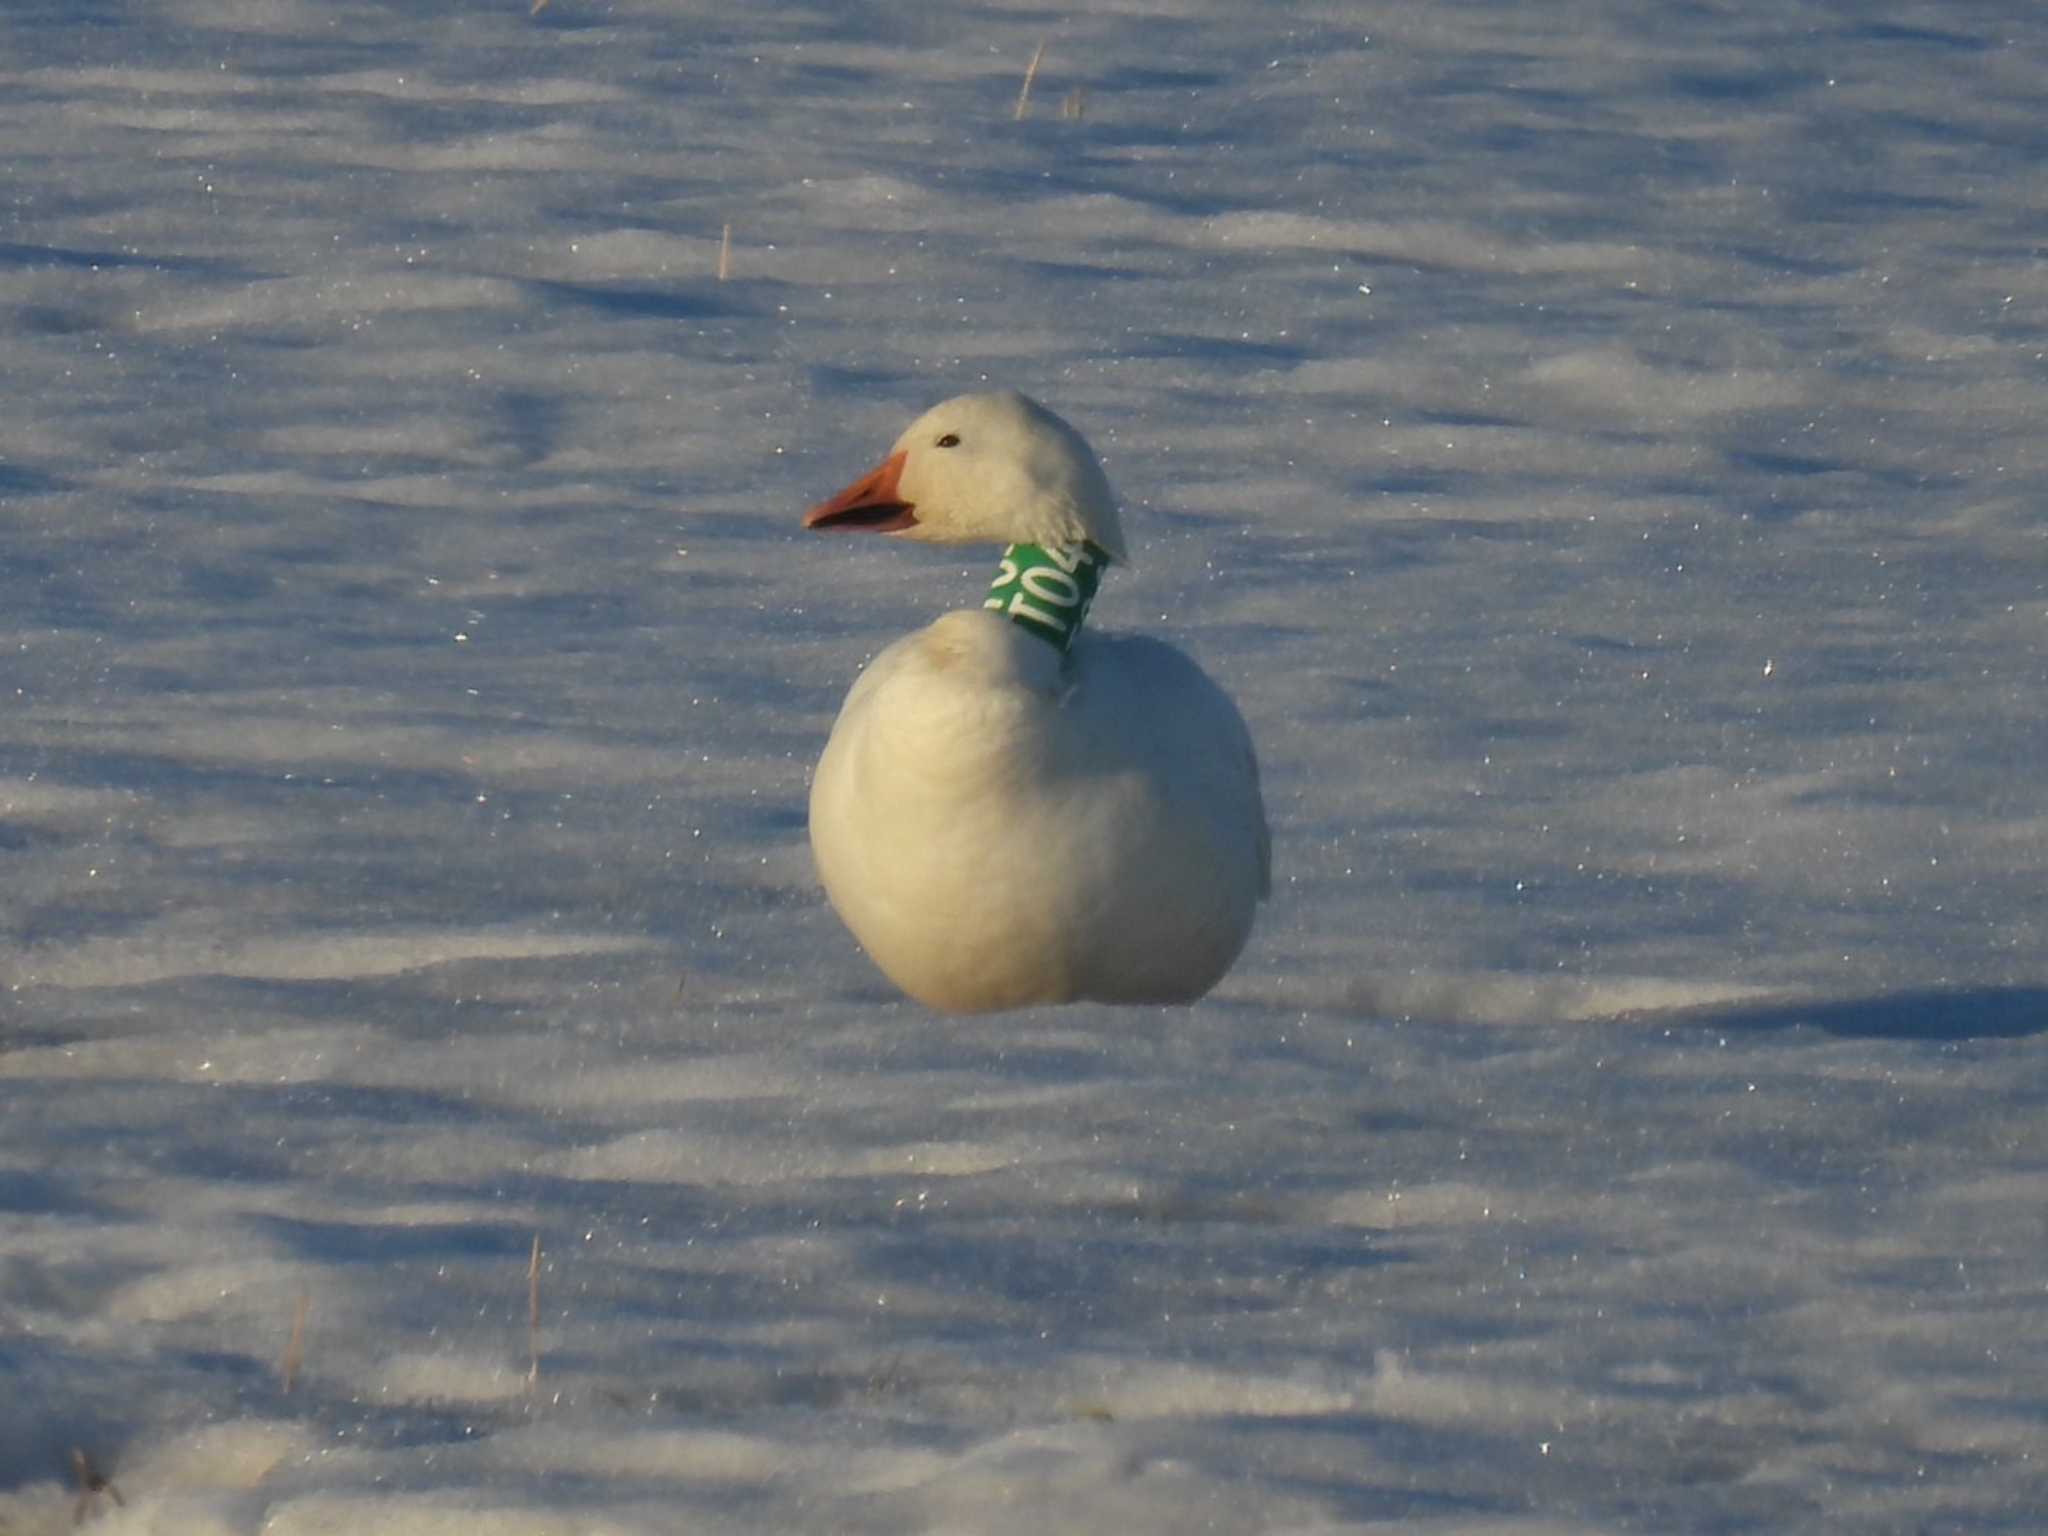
{"points": [[950, 440]]}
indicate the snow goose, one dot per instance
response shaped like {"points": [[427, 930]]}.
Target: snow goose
{"points": [[1009, 811]]}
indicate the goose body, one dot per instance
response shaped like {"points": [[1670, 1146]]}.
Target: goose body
{"points": [[1002, 821]]}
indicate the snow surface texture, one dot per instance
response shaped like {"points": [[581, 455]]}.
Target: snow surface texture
{"points": [[1600, 445]]}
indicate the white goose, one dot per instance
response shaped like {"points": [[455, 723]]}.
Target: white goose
{"points": [[1010, 812]]}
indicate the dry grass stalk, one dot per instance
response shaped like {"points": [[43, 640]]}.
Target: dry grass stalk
{"points": [[295, 1348], [1030, 74], [538, 7], [725, 253], [92, 1482], [533, 1318]]}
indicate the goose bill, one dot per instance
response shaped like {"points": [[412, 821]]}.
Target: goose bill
{"points": [[869, 505]]}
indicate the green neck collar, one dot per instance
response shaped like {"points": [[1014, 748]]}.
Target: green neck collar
{"points": [[1046, 592]]}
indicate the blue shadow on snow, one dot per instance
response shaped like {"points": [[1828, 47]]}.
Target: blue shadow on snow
{"points": [[1931, 1013]]}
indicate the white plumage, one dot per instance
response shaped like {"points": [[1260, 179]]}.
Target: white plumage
{"points": [[1001, 824]]}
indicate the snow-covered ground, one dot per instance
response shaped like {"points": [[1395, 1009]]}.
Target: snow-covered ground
{"points": [[1600, 444]]}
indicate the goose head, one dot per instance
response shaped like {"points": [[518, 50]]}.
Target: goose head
{"points": [[988, 468]]}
